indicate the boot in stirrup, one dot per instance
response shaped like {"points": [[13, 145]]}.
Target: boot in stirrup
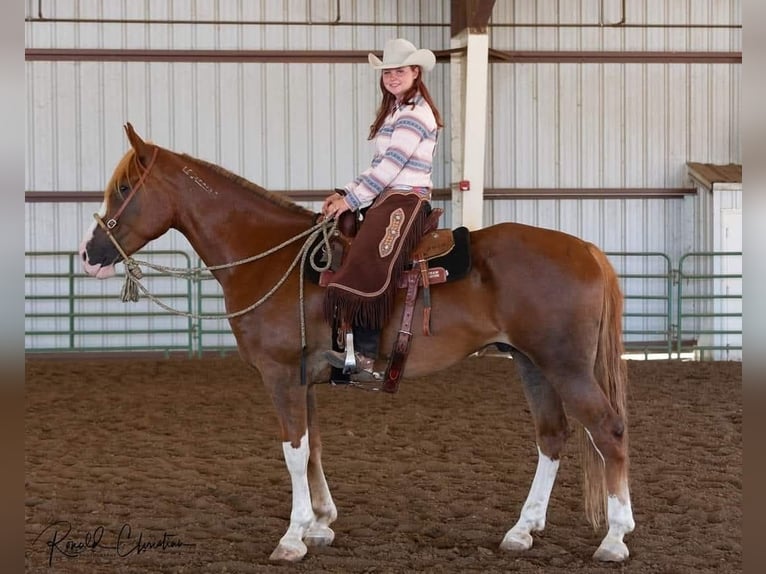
{"points": [[362, 368], [355, 363]]}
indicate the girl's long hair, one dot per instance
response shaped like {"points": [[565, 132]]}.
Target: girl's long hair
{"points": [[389, 100]]}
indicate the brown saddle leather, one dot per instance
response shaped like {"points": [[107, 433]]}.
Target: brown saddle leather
{"points": [[348, 224], [434, 243]]}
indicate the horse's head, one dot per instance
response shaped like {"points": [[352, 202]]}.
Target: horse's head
{"points": [[131, 213]]}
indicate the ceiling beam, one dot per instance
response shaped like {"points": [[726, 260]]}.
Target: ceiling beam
{"points": [[471, 14]]}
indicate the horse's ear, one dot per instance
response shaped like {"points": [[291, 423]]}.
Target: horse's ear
{"points": [[139, 145]]}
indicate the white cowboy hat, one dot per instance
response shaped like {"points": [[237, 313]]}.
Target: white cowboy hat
{"points": [[399, 53]]}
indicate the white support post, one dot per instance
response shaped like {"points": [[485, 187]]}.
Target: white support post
{"points": [[469, 73]]}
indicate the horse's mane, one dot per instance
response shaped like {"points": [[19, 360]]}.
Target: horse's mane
{"points": [[125, 163], [122, 169], [249, 185]]}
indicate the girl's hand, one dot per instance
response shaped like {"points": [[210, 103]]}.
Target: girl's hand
{"points": [[334, 205]]}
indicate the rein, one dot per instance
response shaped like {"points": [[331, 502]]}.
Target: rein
{"points": [[133, 272]]}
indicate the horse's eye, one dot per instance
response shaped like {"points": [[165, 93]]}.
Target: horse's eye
{"points": [[124, 188]]}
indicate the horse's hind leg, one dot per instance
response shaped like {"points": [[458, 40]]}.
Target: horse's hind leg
{"points": [[551, 431], [607, 433]]}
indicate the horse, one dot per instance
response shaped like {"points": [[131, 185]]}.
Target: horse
{"points": [[551, 299]]}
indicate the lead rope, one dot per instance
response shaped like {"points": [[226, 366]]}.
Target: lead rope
{"points": [[133, 273]]}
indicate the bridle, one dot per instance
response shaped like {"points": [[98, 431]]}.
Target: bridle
{"points": [[111, 223], [132, 268]]}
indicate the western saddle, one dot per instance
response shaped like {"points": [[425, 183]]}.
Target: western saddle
{"points": [[423, 270]]}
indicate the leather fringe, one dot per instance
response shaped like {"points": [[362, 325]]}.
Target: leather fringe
{"points": [[341, 306]]}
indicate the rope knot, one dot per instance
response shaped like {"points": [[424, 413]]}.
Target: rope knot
{"points": [[133, 274], [134, 269]]}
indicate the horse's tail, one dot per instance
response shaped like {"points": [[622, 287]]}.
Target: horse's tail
{"points": [[611, 373]]}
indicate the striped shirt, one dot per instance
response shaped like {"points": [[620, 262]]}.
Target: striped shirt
{"points": [[404, 151]]}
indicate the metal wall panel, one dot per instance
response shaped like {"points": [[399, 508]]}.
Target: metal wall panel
{"points": [[253, 119], [268, 24], [610, 125]]}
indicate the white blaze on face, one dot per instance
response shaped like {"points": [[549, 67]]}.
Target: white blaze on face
{"points": [[94, 270], [92, 228]]}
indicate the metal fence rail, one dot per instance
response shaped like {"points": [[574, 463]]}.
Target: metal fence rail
{"points": [[647, 287], [67, 312]]}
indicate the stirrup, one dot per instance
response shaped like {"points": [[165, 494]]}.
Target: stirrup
{"points": [[362, 368], [350, 363]]}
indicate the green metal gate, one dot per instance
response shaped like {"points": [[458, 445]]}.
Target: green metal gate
{"points": [[67, 311], [646, 282]]}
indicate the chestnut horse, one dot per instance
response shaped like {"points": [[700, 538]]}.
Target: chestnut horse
{"points": [[549, 297]]}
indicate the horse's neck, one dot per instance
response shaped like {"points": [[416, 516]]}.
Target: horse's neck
{"points": [[230, 226]]}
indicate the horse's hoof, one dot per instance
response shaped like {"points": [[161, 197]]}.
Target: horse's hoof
{"points": [[516, 541], [288, 553], [319, 536], [612, 551]]}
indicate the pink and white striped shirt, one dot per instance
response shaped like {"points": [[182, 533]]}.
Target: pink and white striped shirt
{"points": [[404, 151]]}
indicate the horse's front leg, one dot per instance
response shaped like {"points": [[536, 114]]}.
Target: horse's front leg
{"points": [[312, 506], [325, 512], [291, 547], [290, 401]]}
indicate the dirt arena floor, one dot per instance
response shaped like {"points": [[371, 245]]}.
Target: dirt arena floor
{"points": [[167, 452]]}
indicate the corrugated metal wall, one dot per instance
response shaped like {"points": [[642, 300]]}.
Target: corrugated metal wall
{"points": [[302, 126], [611, 125]]}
